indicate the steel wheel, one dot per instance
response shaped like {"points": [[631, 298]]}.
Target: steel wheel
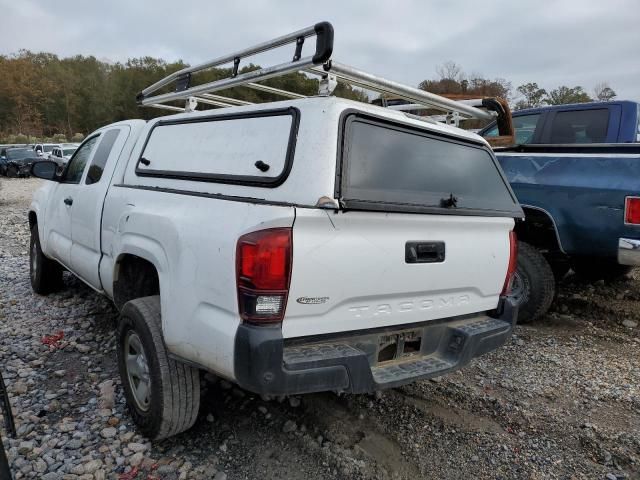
{"points": [[519, 288], [137, 369]]}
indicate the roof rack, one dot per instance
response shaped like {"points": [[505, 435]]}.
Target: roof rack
{"points": [[319, 64]]}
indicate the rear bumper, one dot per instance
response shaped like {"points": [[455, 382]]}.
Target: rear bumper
{"points": [[265, 363], [628, 251]]}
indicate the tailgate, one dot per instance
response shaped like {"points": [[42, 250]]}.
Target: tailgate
{"points": [[358, 270]]}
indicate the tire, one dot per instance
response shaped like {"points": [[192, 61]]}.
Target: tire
{"points": [[172, 399], [593, 269], [12, 171], [45, 274], [534, 284]]}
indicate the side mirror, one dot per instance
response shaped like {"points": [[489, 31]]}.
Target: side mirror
{"points": [[45, 170]]}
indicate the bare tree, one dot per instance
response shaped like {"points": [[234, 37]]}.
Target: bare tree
{"points": [[603, 92], [449, 71]]}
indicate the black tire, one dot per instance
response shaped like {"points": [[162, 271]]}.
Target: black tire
{"points": [[534, 284], [45, 274], [593, 269], [12, 171], [173, 391]]}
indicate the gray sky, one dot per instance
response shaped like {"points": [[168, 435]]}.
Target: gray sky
{"points": [[560, 42]]}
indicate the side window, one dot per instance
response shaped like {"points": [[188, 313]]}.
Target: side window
{"points": [[79, 161], [492, 132], [100, 158], [525, 127], [580, 126]]}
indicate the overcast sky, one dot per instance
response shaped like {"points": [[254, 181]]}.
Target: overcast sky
{"points": [[561, 42]]}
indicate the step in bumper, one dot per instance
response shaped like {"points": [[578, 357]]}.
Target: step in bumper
{"points": [[265, 363]]}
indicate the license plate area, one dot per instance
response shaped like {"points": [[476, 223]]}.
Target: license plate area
{"points": [[399, 346]]}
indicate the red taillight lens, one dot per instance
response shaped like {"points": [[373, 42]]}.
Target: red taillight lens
{"points": [[632, 210], [263, 271], [513, 263]]}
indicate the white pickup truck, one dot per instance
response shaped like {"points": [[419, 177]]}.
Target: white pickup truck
{"points": [[314, 244]]}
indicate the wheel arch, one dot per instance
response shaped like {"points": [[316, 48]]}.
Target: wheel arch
{"points": [[539, 229], [138, 272]]}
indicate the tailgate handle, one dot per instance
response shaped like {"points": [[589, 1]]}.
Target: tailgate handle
{"points": [[424, 252]]}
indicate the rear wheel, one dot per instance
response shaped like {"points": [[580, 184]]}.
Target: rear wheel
{"points": [[593, 269], [45, 274], [533, 285], [12, 171], [163, 395]]}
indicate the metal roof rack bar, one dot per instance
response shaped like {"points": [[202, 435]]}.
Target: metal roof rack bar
{"points": [[323, 32], [319, 63], [277, 91], [228, 100], [362, 79], [166, 107]]}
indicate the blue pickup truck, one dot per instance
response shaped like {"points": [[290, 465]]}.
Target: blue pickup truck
{"points": [[576, 172]]}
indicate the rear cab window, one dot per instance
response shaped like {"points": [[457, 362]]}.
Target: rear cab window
{"points": [[253, 148], [392, 167], [580, 126]]}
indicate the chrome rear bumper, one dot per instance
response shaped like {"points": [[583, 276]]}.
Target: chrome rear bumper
{"points": [[628, 251]]}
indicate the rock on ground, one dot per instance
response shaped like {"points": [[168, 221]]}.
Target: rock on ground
{"points": [[560, 400]]}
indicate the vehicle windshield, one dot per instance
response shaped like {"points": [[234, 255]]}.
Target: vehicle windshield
{"points": [[19, 153], [397, 166], [67, 152], [48, 148]]}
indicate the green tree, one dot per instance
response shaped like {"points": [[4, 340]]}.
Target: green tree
{"points": [[533, 95], [563, 95]]}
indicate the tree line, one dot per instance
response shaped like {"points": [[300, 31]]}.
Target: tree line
{"points": [[47, 97], [453, 80]]}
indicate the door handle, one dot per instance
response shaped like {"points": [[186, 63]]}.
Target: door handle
{"points": [[424, 252], [68, 201]]}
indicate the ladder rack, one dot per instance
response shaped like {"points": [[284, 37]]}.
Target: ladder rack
{"points": [[319, 64]]}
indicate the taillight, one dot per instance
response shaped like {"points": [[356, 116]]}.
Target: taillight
{"points": [[263, 271], [513, 263], [632, 210]]}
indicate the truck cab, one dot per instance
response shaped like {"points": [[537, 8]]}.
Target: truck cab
{"points": [[579, 123]]}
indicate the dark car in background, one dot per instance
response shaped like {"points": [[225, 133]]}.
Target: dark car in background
{"points": [[17, 161]]}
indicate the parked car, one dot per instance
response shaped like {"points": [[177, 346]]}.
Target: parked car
{"points": [[62, 154], [297, 246], [576, 174], [45, 149], [18, 161]]}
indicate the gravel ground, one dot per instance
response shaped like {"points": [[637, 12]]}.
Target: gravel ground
{"points": [[561, 400]]}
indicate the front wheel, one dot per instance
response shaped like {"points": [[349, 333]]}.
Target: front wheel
{"points": [[45, 274], [533, 285], [163, 395]]}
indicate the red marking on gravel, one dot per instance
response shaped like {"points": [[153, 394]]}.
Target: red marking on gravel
{"points": [[52, 340]]}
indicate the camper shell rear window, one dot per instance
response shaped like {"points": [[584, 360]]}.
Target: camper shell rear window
{"points": [[389, 166], [254, 148]]}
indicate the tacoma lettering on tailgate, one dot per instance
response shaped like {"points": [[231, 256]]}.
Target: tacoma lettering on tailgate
{"points": [[403, 307]]}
